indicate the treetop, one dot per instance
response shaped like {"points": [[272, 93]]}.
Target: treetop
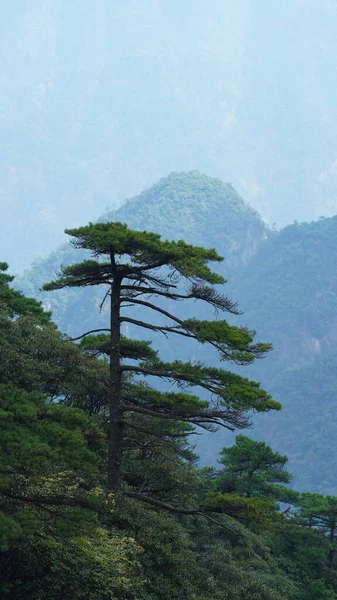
{"points": [[146, 249]]}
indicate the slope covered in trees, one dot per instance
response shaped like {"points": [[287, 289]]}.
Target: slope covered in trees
{"points": [[195, 207], [307, 426], [62, 534], [289, 289]]}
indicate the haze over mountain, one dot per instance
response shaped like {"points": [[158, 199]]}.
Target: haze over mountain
{"points": [[199, 209], [284, 282], [288, 292], [100, 100]]}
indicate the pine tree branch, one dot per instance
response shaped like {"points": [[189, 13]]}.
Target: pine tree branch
{"points": [[127, 270], [205, 421], [153, 307], [168, 374], [87, 333], [165, 330], [187, 332], [154, 291], [103, 301], [199, 512], [161, 434], [160, 281], [142, 324]]}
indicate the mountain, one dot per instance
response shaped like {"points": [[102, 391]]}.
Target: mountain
{"points": [[285, 284], [307, 426], [190, 206], [199, 209], [288, 290], [98, 100]]}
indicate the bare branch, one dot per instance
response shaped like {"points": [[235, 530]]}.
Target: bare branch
{"points": [[142, 324], [87, 333], [154, 291], [165, 330], [153, 307], [103, 301]]}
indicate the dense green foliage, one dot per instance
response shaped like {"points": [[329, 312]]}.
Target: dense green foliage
{"points": [[61, 536], [252, 469], [51, 457]]}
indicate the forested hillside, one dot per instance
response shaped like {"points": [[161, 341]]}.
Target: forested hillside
{"points": [[289, 291], [195, 207], [283, 281], [168, 530], [289, 288]]}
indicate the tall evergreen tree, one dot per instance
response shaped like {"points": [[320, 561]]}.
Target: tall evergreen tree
{"points": [[135, 267]]}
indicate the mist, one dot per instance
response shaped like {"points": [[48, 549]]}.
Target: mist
{"points": [[99, 100]]}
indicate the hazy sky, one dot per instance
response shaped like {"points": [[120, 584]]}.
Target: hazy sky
{"points": [[100, 99]]}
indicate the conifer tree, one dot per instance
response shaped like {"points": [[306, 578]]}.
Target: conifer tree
{"points": [[253, 469], [320, 513], [138, 269]]}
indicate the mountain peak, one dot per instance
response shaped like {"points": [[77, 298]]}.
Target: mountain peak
{"points": [[199, 209]]}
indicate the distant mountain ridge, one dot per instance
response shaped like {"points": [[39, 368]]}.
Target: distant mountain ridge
{"points": [[289, 290]]}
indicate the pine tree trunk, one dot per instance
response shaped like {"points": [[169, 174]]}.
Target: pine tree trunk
{"points": [[331, 554], [116, 429]]}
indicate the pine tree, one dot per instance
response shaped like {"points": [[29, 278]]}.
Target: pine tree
{"points": [[138, 269], [252, 468]]}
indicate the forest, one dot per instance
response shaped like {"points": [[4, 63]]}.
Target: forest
{"points": [[102, 493]]}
